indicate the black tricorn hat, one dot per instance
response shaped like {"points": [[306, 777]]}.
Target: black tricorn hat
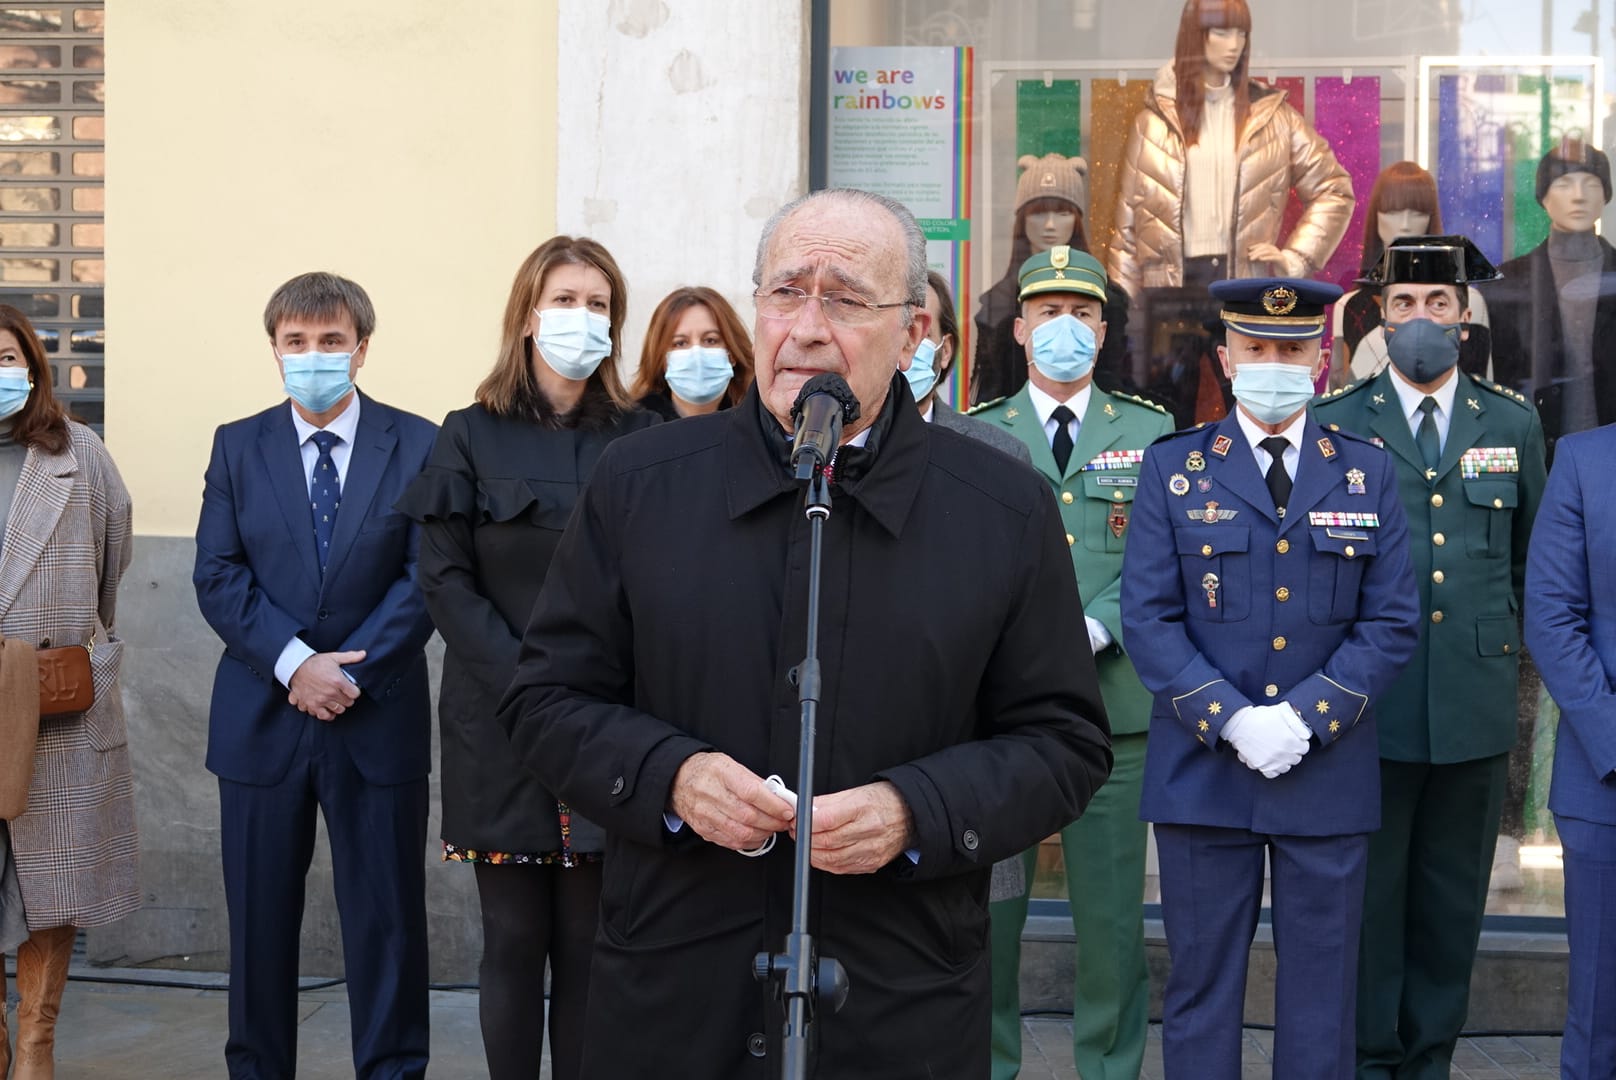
{"points": [[1431, 260]]}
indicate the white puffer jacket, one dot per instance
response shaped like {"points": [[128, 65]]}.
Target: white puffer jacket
{"points": [[1277, 151]]}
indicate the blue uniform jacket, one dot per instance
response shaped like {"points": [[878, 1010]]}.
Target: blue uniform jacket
{"points": [[258, 583], [1318, 609]]}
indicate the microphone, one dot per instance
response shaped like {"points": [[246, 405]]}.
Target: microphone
{"points": [[825, 403]]}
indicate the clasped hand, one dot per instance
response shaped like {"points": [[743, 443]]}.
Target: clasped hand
{"points": [[857, 831], [1269, 739], [320, 688]]}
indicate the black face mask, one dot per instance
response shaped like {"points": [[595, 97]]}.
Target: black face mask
{"points": [[1423, 350]]}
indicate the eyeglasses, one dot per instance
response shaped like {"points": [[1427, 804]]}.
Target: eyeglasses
{"points": [[841, 308]]}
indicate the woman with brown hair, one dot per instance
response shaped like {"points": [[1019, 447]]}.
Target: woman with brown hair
{"points": [[1403, 203], [697, 357], [71, 858], [493, 501]]}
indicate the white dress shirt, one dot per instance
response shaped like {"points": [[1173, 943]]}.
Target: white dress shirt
{"points": [[1044, 406], [1408, 398], [344, 426], [1255, 435]]}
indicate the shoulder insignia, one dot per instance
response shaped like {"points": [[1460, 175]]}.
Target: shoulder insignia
{"points": [[1502, 391], [1137, 400], [982, 406], [1346, 435], [1179, 434]]}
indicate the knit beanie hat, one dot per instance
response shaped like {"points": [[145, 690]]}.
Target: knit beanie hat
{"points": [[1054, 176], [1572, 155]]}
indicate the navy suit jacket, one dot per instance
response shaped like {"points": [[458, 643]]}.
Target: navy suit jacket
{"points": [[258, 583], [1318, 609], [1571, 621]]}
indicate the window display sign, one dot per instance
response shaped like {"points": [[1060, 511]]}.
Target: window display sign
{"points": [[900, 125]]}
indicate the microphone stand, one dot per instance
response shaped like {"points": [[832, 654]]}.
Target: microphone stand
{"points": [[803, 979]]}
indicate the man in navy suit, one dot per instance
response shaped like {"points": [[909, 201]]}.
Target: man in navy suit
{"points": [[1267, 600], [320, 699], [1571, 631]]}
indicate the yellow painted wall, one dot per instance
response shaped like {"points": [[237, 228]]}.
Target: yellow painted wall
{"points": [[407, 144]]}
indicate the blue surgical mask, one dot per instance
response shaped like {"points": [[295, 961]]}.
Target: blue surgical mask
{"points": [[699, 374], [573, 341], [1423, 350], [922, 373], [1063, 348], [14, 389], [317, 380], [1273, 392]]}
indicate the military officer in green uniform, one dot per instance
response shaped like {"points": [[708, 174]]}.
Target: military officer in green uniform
{"points": [[1088, 443], [1470, 468]]}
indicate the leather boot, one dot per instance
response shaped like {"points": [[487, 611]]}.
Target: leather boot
{"points": [[41, 975]]}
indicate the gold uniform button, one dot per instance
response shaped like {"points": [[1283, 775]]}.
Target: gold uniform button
{"points": [[1436, 616], [1066, 497], [1438, 576], [1206, 549], [1282, 594], [1498, 504], [1283, 546], [1279, 644], [1350, 551], [1070, 539], [1117, 495], [1271, 690], [1438, 539], [1436, 500]]}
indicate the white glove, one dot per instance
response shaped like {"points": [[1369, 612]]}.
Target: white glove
{"points": [[1264, 739], [1099, 636]]}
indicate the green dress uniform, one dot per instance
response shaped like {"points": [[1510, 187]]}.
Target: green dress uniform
{"points": [[1447, 724], [1105, 849]]}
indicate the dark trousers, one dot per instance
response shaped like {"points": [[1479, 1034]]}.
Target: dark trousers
{"points": [[1589, 1049], [378, 861], [533, 914], [1423, 903], [1211, 889]]}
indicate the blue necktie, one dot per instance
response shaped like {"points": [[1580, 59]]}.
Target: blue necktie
{"points": [[325, 493]]}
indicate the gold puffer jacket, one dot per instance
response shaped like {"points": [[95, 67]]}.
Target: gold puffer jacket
{"points": [[1277, 151]]}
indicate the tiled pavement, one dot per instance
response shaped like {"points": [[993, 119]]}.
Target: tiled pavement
{"points": [[130, 1032]]}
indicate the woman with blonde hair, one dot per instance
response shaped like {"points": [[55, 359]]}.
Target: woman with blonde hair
{"points": [[492, 502], [70, 859], [697, 357]]}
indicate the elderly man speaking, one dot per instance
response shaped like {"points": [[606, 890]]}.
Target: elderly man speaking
{"points": [[960, 719]]}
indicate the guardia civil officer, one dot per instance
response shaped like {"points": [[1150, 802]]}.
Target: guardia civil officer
{"points": [[1470, 468], [1267, 600], [1087, 444]]}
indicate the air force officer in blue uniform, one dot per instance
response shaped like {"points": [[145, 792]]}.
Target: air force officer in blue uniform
{"points": [[1292, 607], [320, 701]]}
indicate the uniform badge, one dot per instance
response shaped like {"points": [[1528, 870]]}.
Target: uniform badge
{"points": [[1473, 403], [1109, 411], [1195, 462], [1118, 519], [1179, 484], [1011, 413], [1221, 444], [1280, 300], [1380, 399], [1378, 441], [1209, 584], [1327, 448], [1355, 479], [1212, 514], [1203, 485]]}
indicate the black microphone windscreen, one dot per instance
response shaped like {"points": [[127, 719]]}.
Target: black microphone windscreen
{"points": [[828, 382]]}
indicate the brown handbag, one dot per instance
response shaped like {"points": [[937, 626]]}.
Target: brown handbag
{"points": [[65, 683]]}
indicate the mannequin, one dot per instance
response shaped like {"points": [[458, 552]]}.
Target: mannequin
{"points": [[1403, 203], [1559, 299], [1209, 163], [1052, 197]]}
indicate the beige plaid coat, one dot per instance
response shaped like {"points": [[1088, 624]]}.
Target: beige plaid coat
{"points": [[66, 545]]}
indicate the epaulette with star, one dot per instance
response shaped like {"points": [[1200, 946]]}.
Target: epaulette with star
{"points": [[1502, 391], [1343, 391], [981, 405], [1137, 400]]}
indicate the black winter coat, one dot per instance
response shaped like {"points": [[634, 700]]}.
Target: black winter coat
{"points": [[673, 613], [493, 501]]}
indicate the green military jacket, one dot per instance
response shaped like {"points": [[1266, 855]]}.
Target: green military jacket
{"points": [[1469, 521], [1096, 500]]}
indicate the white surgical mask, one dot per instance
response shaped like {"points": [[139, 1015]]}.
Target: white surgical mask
{"points": [[699, 374], [573, 341]]}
